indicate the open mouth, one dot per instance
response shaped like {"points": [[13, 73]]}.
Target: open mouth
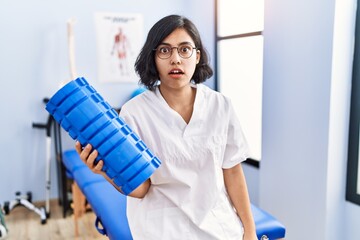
{"points": [[176, 72]]}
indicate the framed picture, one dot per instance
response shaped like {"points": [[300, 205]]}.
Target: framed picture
{"points": [[119, 40]]}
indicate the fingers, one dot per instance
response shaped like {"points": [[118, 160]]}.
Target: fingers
{"points": [[91, 157], [85, 152], [88, 157], [78, 147], [98, 166]]}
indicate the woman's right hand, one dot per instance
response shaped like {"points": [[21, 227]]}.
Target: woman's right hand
{"points": [[88, 157]]}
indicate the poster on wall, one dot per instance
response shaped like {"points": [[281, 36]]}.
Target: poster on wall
{"points": [[119, 41]]}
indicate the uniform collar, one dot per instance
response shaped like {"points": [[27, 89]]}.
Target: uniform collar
{"points": [[176, 121]]}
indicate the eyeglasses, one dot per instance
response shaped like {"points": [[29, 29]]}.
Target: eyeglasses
{"points": [[165, 51]]}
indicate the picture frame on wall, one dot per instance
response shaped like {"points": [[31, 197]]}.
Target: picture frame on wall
{"points": [[119, 40]]}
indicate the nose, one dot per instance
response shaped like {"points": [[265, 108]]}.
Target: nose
{"points": [[175, 57]]}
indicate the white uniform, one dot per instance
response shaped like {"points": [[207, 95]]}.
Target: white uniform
{"points": [[187, 198]]}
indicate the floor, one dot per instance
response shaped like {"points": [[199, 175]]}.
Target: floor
{"points": [[26, 225]]}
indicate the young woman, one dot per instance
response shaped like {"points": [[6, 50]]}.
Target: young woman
{"points": [[199, 191]]}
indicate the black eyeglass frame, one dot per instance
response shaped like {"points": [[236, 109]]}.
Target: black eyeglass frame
{"points": [[177, 49]]}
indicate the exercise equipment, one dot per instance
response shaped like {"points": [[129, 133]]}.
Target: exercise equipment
{"points": [[26, 201], [47, 127], [88, 118], [84, 114]]}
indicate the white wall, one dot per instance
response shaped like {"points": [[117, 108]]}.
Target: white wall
{"points": [[34, 61], [307, 76], [202, 13], [351, 221], [344, 28]]}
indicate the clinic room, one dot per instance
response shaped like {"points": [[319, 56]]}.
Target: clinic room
{"points": [[180, 120]]}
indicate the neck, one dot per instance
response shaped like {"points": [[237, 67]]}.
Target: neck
{"points": [[181, 100], [178, 96]]}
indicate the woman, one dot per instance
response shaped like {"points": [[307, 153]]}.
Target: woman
{"points": [[199, 191]]}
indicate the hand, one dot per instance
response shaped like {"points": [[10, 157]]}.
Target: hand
{"points": [[88, 157]]}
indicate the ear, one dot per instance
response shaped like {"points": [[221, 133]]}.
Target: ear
{"points": [[198, 55]]}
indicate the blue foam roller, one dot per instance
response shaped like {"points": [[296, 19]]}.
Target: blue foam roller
{"points": [[87, 117]]}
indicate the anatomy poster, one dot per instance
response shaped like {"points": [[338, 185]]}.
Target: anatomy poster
{"points": [[119, 41]]}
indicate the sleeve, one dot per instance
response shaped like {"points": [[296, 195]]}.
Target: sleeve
{"points": [[236, 149]]}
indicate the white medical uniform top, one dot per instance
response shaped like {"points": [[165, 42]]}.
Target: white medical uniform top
{"points": [[187, 197]]}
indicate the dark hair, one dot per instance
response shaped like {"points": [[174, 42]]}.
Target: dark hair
{"points": [[145, 65]]}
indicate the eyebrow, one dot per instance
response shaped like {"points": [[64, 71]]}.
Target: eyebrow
{"points": [[168, 44]]}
